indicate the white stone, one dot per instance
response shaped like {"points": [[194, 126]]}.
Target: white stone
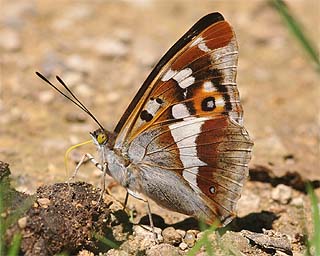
{"points": [[10, 40], [111, 48], [183, 246], [281, 194]]}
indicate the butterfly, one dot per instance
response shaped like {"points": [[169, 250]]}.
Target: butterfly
{"points": [[181, 142]]}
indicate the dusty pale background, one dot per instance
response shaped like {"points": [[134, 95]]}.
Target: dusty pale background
{"points": [[105, 49]]}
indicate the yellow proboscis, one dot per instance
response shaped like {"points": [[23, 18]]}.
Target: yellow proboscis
{"points": [[70, 149]]}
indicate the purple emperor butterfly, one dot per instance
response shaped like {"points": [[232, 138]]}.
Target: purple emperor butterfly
{"points": [[181, 141]]}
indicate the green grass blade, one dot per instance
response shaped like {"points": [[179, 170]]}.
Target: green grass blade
{"points": [[203, 241], [106, 241], [2, 229], [62, 254], [297, 31], [315, 240], [15, 245]]}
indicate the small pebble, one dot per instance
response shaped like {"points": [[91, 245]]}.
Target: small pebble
{"points": [[146, 233], [17, 12], [162, 249], [50, 64], [79, 205], [235, 241], [44, 202], [10, 40], [54, 144], [22, 222], [281, 194], [72, 78], [200, 235], [190, 239], [111, 48], [150, 55], [46, 96], [15, 114], [298, 202], [193, 231], [85, 253], [181, 232], [124, 35], [84, 90], [75, 117], [112, 97], [289, 159], [280, 253], [80, 64], [183, 246], [78, 12], [171, 236], [248, 203], [61, 23]]}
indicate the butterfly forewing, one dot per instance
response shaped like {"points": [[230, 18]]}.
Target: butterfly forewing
{"points": [[185, 125], [198, 80]]}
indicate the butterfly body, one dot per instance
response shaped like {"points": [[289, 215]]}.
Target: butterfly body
{"points": [[181, 141]]}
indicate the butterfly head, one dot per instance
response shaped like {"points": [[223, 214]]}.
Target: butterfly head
{"points": [[101, 137]]}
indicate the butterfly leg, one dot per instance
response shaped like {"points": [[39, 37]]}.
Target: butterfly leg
{"points": [[85, 157], [103, 168], [151, 220], [141, 197], [103, 181]]}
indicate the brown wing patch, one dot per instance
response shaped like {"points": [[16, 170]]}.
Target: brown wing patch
{"points": [[218, 35], [187, 57], [226, 148]]}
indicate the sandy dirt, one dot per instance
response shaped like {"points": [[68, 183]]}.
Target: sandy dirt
{"points": [[105, 49]]}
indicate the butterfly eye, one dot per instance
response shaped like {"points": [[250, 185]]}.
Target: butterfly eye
{"points": [[102, 138]]}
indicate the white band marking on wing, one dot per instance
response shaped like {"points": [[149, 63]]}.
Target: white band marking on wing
{"points": [[185, 135]]}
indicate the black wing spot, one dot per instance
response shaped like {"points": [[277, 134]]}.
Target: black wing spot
{"points": [[191, 108], [228, 105], [159, 101], [218, 79], [208, 104], [146, 116], [217, 82]]}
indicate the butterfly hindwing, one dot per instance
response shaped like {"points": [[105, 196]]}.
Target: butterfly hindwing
{"points": [[183, 130], [209, 154]]}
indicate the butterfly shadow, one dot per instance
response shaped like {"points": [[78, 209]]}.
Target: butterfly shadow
{"points": [[255, 222], [158, 221], [292, 179]]}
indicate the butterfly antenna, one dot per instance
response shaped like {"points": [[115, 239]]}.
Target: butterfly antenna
{"points": [[73, 99]]}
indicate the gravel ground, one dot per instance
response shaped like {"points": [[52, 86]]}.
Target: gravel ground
{"points": [[105, 49]]}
